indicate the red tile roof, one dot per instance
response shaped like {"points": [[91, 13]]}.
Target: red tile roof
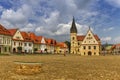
{"points": [[61, 45], [39, 38], [51, 41], [12, 31], [81, 37], [97, 38], [4, 31], [34, 37], [116, 45], [26, 37]]}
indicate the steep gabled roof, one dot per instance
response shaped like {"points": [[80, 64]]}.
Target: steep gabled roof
{"points": [[39, 38], [12, 31], [81, 37], [50, 41], [26, 37], [4, 31], [33, 37], [97, 38]]}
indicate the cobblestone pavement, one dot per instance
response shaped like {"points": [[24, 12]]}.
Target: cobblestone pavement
{"points": [[59, 67]]}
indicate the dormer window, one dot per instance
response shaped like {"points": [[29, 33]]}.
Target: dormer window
{"points": [[17, 37]]}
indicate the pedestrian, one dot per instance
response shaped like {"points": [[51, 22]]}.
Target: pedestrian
{"points": [[64, 53]]}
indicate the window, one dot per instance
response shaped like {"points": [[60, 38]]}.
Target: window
{"points": [[17, 37], [84, 47], [5, 41], [84, 53], [5, 49], [88, 34], [78, 43], [94, 47], [9, 49], [94, 53], [73, 38], [89, 47], [14, 43], [0, 40], [25, 44], [78, 50], [21, 44], [30, 44]]}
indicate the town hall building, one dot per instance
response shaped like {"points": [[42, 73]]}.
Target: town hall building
{"points": [[88, 44]]}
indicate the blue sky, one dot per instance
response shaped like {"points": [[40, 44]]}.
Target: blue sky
{"points": [[52, 18]]}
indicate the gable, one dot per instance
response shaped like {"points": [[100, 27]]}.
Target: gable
{"points": [[43, 40], [90, 38], [18, 36]]}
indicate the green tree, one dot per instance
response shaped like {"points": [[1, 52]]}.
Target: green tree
{"points": [[68, 44]]}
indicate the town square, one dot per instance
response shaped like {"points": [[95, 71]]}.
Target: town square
{"points": [[59, 40]]}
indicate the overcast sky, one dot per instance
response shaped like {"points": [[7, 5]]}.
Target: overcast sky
{"points": [[52, 18]]}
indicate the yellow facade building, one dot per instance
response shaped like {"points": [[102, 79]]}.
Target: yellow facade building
{"points": [[88, 44]]}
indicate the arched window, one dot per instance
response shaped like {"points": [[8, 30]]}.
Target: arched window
{"points": [[73, 38]]}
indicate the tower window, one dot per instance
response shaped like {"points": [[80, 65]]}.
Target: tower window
{"points": [[88, 34], [84, 53], [78, 50], [73, 38], [84, 47], [94, 53], [94, 47], [89, 47]]}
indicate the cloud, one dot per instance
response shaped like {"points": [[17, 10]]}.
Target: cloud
{"points": [[29, 27], [13, 17], [16, 18], [116, 39], [52, 17], [106, 39], [108, 29], [115, 3]]}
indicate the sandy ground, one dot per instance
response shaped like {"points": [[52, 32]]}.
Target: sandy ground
{"points": [[59, 67]]}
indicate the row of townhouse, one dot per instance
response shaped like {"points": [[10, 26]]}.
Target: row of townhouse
{"points": [[16, 41], [111, 49], [115, 50]]}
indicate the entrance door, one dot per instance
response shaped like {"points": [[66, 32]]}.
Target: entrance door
{"points": [[0, 49], [89, 53], [14, 50]]}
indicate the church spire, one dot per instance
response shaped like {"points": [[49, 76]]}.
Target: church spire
{"points": [[73, 28]]}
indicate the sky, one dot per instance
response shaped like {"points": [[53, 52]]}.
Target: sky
{"points": [[53, 18]]}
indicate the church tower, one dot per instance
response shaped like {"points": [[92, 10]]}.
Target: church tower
{"points": [[73, 38]]}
